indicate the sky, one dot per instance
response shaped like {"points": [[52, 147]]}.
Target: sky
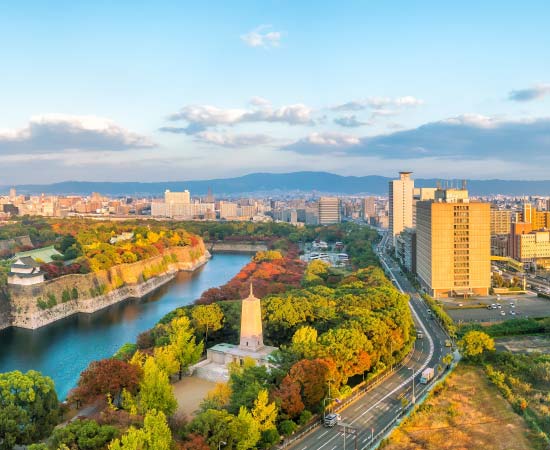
{"points": [[179, 90]]}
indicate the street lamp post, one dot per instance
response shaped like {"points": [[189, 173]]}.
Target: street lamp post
{"points": [[413, 396], [220, 444]]}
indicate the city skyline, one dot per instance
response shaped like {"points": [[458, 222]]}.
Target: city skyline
{"points": [[149, 93]]}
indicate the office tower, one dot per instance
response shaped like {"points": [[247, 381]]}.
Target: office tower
{"points": [[421, 194], [13, 194], [453, 239], [329, 210], [401, 204]]}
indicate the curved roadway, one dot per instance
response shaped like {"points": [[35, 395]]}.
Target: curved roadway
{"points": [[376, 409]]}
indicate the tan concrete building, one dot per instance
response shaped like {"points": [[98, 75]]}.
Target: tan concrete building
{"points": [[401, 204], [501, 221], [453, 256], [329, 210]]}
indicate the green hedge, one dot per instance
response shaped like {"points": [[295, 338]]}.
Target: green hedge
{"points": [[440, 313]]}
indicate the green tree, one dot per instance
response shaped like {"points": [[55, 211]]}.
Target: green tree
{"points": [[29, 408], [264, 413], [207, 318], [214, 425], [155, 391], [474, 344], [155, 435], [84, 435]]}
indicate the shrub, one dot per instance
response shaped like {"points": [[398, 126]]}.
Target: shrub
{"points": [[287, 427]]}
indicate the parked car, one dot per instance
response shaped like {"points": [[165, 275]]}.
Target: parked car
{"points": [[502, 313]]}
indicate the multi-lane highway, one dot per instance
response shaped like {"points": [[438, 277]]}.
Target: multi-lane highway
{"points": [[378, 408]]}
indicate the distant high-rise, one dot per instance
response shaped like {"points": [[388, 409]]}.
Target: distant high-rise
{"points": [[329, 210], [13, 194], [369, 207], [453, 255], [209, 196], [177, 197], [401, 204]]}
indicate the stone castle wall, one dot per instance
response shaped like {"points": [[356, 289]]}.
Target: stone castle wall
{"points": [[97, 290]]}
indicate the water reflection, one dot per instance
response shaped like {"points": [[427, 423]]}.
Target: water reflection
{"points": [[63, 349]]}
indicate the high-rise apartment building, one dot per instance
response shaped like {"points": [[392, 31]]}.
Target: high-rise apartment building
{"points": [[453, 237], [501, 221], [401, 204], [329, 210], [177, 197], [369, 207]]}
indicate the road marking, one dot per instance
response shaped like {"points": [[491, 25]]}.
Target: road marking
{"points": [[326, 443], [322, 434]]}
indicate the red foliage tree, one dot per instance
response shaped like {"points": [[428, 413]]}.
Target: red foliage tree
{"points": [[193, 442], [106, 376], [313, 377], [288, 394]]}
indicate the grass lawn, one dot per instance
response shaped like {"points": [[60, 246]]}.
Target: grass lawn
{"points": [[467, 412]]}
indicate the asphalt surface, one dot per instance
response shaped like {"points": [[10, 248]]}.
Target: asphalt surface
{"points": [[524, 306], [378, 408]]}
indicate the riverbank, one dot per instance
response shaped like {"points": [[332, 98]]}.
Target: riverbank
{"points": [[89, 293], [73, 342]]}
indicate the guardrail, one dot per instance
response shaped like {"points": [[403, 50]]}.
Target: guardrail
{"points": [[361, 390]]}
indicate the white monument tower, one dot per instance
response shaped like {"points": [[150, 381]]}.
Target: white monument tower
{"points": [[251, 323]]}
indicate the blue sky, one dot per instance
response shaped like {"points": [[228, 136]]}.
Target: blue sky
{"points": [[170, 90]]}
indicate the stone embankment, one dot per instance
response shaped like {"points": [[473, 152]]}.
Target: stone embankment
{"points": [[38, 305], [236, 247]]}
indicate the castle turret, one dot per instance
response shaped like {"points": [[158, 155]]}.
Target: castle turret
{"points": [[251, 323]]}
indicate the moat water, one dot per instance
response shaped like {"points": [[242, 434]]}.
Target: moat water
{"points": [[65, 348]]}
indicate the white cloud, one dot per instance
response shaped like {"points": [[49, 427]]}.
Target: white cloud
{"points": [[262, 37], [465, 137], [259, 101], [379, 103], [350, 121], [533, 93], [232, 140], [59, 132], [323, 143], [201, 116]]}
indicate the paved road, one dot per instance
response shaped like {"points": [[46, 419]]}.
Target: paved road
{"points": [[372, 412]]}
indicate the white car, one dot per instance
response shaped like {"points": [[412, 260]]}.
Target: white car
{"points": [[502, 313]]}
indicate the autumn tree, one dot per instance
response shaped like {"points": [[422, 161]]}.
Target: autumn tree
{"points": [[245, 429], [166, 360], [155, 391], [207, 318], [155, 435], [217, 398], [475, 343], [106, 377], [313, 377], [264, 412], [287, 395], [183, 341], [29, 408]]}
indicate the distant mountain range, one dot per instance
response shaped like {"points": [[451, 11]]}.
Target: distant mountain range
{"points": [[278, 183]]}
